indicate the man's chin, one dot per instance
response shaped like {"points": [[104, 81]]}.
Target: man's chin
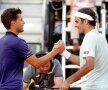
{"points": [[21, 30]]}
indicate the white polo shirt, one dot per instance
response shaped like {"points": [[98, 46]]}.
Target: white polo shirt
{"points": [[95, 45]]}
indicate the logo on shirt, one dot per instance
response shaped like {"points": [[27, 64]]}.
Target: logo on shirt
{"points": [[86, 52]]}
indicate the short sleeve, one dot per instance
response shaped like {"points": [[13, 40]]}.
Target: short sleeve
{"points": [[89, 47], [57, 69], [23, 50], [29, 73]]}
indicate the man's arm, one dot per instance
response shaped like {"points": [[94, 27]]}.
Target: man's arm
{"points": [[71, 57], [57, 82], [58, 74], [38, 62], [27, 76], [74, 59], [25, 86], [87, 67]]}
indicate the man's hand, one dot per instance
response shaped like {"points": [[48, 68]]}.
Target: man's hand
{"points": [[64, 86], [59, 47]]}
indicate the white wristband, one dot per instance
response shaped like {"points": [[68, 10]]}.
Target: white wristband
{"points": [[66, 54]]}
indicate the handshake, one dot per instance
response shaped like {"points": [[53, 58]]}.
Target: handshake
{"points": [[59, 48]]}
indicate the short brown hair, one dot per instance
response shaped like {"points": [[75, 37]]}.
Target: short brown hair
{"points": [[8, 15], [90, 12]]}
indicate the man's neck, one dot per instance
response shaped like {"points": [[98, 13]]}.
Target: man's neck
{"points": [[13, 31], [89, 28]]}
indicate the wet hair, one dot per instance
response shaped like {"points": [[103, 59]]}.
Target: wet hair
{"points": [[8, 15], [91, 13]]}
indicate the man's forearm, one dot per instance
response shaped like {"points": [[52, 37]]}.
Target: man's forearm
{"points": [[74, 59], [71, 57], [76, 76]]}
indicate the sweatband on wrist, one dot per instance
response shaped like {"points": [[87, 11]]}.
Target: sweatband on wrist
{"points": [[66, 54]]}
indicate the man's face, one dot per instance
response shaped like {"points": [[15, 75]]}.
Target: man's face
{"points": [[45, 68], [19, 24], [79, 24]]}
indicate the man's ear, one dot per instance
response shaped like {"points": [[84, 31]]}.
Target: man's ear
{"points": [[86, 21], [12, 22]]}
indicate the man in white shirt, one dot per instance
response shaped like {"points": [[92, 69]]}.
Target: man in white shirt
{"points": [[93, 58], [77, 4]]}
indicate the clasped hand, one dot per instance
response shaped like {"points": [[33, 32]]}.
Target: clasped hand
{"points": [[59, 47]]}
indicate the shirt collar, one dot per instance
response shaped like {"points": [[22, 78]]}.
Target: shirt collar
{"points": [[92, 31], [11, 33]]}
